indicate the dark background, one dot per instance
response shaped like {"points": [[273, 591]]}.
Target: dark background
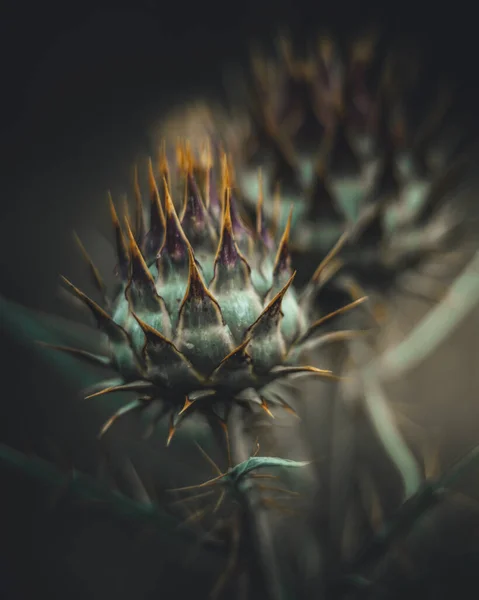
{"points": [[81, 85]]}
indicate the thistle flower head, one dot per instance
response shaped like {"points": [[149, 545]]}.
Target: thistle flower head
{"points": [[334, 135], [206, 314]]}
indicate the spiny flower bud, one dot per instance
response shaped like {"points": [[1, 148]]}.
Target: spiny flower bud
{"points": [[333, 134], [206, 314]]}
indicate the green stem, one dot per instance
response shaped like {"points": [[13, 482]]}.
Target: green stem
{"points": [[384, 424], [383, 421], [257, 517], [409, 513], [440, 322]]}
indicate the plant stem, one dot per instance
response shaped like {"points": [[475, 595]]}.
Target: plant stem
{"points": [[258, 523], [461, 299], [382, 419], [411, 511]]}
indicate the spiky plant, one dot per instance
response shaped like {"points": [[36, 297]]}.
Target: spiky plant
{"points": [[205, 314], [205, 320], [337, 132], [240, 487]]}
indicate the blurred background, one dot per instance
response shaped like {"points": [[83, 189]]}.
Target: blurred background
{"points": [[83, 87]]}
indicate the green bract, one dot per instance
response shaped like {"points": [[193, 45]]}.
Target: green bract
{"points": [[237, 479], [206, 314]]}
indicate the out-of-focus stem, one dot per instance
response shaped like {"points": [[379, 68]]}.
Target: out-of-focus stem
{"points": [[382, 419], [460, 300], [411, 511]]}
